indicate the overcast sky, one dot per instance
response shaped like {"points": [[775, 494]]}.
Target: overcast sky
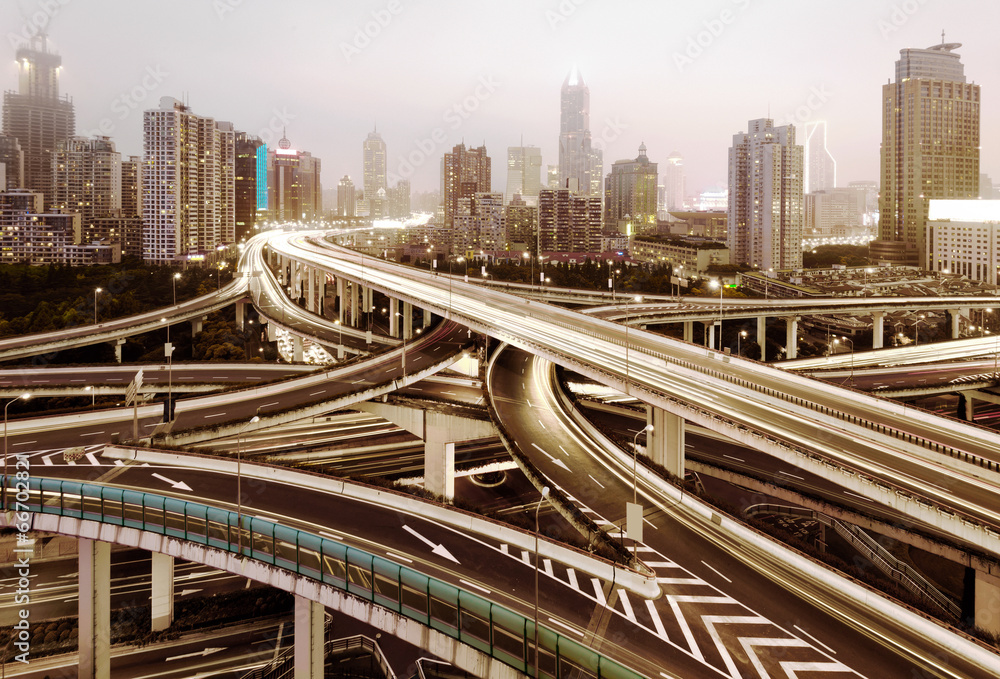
{"points": [[681, 76]]}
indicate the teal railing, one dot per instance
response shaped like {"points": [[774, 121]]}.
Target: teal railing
{"points": [[467, 617]]}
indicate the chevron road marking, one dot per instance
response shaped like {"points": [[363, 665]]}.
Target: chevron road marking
{"points": [[657, 623]]}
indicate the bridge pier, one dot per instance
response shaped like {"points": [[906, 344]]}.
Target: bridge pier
{"points": [[427, 318], [311, 289], [878, 329], [688, 331], [981, 603], [162, 586], [710, 334], [393, 318], [791, 336], [966, 407], [197, 325], [309, 618], [762, 336], [340, 299], [665, 444], [407, 321], [956, 320], [118, 349], [241, 312], [94, 609], [354, 305], [297, 348]]}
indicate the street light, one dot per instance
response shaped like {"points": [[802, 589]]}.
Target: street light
{"points": [[713, 284], [635, 454], [96, 292], [739, 341], [93, 395], [404, 343], [638, 300], [916, 330], [239, 488], [25, 396], [545, 494], [852, 358]]}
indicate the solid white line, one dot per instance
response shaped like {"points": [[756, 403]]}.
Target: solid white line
{"points": [[815, 639], [680, 581], [792, 475], [565, 626], [22, 443], [322, 391], [214, 415], [657, 623], [564, 452], [272, 403], [393, 555], [686, 630], [593, 479], [717, 573], [330, 535], [93, 433], [598, 592], [93, 459], [571, 573], [738, 459], [472, 584], [626, 605]]}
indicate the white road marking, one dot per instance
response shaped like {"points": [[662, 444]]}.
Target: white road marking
{"points": [[738, 459], [596, 481], [543, 424], [322, 391], [525, 557], [815, 640], [565, 626], [92, 433], [717, 573], [571, 574], [22, 443], [547, 567], [505, 548], [393, 555], [214, 415], [626, 605], [657, 623], [598, 592], [272, 403], [472, 584], [791, 475], [564, 451], [93, 459]]}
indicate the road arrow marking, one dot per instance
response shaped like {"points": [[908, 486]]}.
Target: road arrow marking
{"points": [[185, 592], [177, 485], [435, 548], [207, 651]]}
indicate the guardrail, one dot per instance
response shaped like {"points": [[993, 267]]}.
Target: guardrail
{"points": [[469, 618]]}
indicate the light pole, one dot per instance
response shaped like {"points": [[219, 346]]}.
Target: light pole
{"points": [[638, 300], [545, 494], [635, 455], [916, 330], [852, 358], [404, 343], [24, 396], [713, 284], [169, 350], [93, 395], [96, 292], [739, 342], [239, 488]]}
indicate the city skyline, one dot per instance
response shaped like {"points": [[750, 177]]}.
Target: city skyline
{"points": [[375, 64]]}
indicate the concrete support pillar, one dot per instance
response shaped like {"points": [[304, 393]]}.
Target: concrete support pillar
{"points": [[981, 603], [427, 318], [956, 320], [196, 324], [341, 302], [688, 331], [308, 639], [393, 318], [95, 609], [162, 599], [665, 444], [791, 337], [407, 320], [311, 290], [439, 457], [272, 332], [241, 312], [878, 329], [710, 333], [118, 349], [354, 305], [762, 335], [296, 348], [966, 407], [369, 299]]}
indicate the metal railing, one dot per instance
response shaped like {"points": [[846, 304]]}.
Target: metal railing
{"points": [[492, 629]]}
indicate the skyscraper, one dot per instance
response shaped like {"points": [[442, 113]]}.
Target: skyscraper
{"points": [[188, 180], [674, 183], [464, 173], [930, 148], [630, 195], [524, 171], [398, 198], [293, 184], [374, 175], [766, 210], [87, 178], [346, 198], [36, 115], [818, 164], [576, 157], [12, 158], [251, 154], [568, 222]]}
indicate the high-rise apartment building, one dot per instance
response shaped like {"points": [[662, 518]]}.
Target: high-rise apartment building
{"points": [[132, 186], [576, 157], [250, 183], [464, 173], [766, 211], [524, 172], [294, 189], [188, 183], [568, 221], [375, 183], [87, 178], [346, 198], [630, 196], [398, 198], [930, 148], [480, 224], [674, 183], [819, 167], [522, 225], [12, 158], [36, 115]]}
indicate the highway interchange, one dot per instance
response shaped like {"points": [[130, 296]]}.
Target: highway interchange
{"points": [[716, 610]]}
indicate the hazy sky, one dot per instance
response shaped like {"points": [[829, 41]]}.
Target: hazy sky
{"points": [[681, 76]]}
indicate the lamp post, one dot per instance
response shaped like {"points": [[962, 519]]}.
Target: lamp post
{"points": [[93, 395], [169, 351], [96, 292], [739, 342], [852, 359], [916, 330], [25, 396], [239, 487], [403, 343], [638, 300], [635, 455], [545, 494], [713, 284]]}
